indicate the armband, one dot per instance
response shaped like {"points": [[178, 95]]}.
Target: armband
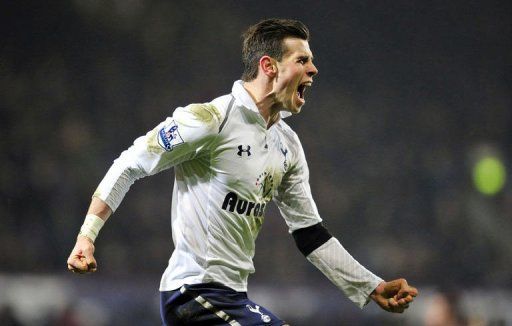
{"points": [[310, 238], [92, 226]]}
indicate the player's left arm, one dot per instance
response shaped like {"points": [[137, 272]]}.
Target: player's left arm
{"points": [[299, 210], [359, 284]]}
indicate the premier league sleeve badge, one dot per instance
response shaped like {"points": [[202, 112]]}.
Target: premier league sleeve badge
{"points": [[169, 137]]}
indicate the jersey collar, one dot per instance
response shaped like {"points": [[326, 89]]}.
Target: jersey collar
{"points": [[246, 100]]}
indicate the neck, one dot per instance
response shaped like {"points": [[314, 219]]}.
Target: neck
{"points": [[262, 95]]}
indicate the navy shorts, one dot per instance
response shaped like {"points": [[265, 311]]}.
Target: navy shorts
{"points": [[212, 304]]}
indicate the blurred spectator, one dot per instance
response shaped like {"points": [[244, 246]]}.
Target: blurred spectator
{"points": [[442, 310]]}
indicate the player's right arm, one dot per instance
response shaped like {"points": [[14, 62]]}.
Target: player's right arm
{"points": [[185, 135], [81, 260]]}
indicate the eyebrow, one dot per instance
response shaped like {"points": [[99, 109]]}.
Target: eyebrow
{"points": [[305, 57]]}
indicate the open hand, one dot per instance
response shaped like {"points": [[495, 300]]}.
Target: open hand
{"points": [[394, 296]]}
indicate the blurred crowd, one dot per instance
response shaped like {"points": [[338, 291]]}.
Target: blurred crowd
{"points": [[406, 95]]}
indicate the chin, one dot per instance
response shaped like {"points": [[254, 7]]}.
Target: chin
{"points": [[296, 110], [293, 110]]}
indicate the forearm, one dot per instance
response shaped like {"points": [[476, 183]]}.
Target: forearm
{"points": [[329, 256], [99, 208], [97, 215], [116, 183], [344, 271]]}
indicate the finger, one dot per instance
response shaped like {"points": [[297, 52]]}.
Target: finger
{"points": [[78, 264], [407, 291], [89, 259], [71, 268], [91, 264], [404, 297], [413, 291], [397, 307], [409, 298], [402, 302], [392, 302], [76, 270]]}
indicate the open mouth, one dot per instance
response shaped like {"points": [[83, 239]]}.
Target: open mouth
{"points": [[301, 90]]}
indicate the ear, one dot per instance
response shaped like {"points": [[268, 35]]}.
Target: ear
{"points": [[268, 66]]}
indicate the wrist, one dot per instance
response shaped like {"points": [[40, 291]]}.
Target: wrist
{"points": [[378, 290], [80, 236], [91, 227]]}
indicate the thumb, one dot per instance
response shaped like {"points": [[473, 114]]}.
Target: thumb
{"points": [[90, 261], [91, 264]]}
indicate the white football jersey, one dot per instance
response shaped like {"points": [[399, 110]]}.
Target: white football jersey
{"points": [[228, 166]]}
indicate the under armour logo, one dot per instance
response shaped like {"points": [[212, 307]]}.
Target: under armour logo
{"points": [[242, 150], [264, 318]]}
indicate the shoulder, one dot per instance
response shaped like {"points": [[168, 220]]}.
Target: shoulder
{"points": [[287, 132], [291, 141], [209, 115], [222, 104]]}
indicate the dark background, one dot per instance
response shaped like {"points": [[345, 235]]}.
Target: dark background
{"points": [[409, 95]]}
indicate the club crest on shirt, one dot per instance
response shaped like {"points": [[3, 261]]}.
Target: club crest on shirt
{"points": [[285, 163], [284, 151], [169, 137]]}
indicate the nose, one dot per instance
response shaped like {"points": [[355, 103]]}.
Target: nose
{"points": [[312, 70]]}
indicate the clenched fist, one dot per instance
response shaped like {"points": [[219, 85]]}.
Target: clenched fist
{"points": [[81, 260], [394, 296]]}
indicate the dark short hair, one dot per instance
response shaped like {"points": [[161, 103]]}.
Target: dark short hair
{"points": [[266, 38]]}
